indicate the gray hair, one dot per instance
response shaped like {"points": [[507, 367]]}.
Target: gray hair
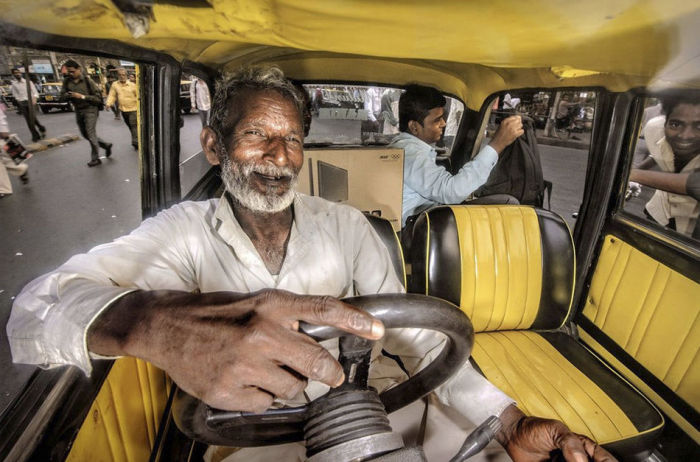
{"points": [[259, 78]]}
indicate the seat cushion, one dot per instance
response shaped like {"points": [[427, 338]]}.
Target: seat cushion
{"points": [[552, 375]]}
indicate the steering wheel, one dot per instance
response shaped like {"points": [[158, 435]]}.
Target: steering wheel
{"points": [[276, 426]]}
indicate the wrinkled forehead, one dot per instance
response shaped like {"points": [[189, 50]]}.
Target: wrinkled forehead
{"points": [[253, 102]]}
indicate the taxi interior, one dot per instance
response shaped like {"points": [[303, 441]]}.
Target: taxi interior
{"points": [[609, 341]]}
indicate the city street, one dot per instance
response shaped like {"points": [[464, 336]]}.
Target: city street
{"points": [[68, 208]]}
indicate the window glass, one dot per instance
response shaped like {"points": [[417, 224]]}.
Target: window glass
{"points": [[195, 103], [563, 125], [664, 181], [62, 206], [365, 115]]}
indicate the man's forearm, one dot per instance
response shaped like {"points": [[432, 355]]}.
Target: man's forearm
{"points": [[665, 181]]}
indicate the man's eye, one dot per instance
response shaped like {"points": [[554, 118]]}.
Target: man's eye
{"points": [[294, 139], [674, 124], [253, 132]]}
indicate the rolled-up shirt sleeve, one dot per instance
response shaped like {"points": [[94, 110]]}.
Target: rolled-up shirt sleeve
{"points": [[51, 316]]}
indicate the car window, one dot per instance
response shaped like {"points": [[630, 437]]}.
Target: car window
{"points": [[64, 207], [563, 127], [366, 115], [195, 100], [664, 180]]}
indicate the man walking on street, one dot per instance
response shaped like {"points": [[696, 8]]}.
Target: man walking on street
{"points": [[199, 96], [19, 92], [126, 93], [87, 99]]}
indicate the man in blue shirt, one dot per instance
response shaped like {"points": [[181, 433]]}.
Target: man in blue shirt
{"points": [[425, 184]]}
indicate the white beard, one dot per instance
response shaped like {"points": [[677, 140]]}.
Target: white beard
{"points": [[236, 178]]}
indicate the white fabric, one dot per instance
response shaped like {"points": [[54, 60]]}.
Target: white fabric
{"points": [[426, 184], [332, 250], [19, 89], [199, 95], [664, 205], [7, 165]]}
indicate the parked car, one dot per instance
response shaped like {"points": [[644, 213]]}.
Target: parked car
{"points": [[48, 98]]}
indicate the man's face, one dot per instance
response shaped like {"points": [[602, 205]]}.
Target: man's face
{"points": [[132, 77], [73, 72], [121, 75], [682, 130], [17, 74], [265, 152], [431, 129]]}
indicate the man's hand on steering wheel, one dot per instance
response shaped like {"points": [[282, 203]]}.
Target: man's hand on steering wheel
{"points": [[232, 351], [530, 439]]}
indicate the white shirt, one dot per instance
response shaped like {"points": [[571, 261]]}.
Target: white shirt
{"points": [[332, 250], [426, 184], [199, 95], [19, 89]]}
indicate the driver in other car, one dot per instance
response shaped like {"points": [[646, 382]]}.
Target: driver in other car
{"points": [[208, 290]]}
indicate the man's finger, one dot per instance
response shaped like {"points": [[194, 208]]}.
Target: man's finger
{"points": [[573, 449], [597, 453], [329, 311], [307, 357]]}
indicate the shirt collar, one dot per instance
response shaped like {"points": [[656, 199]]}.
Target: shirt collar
{"points": [[301, 234]]}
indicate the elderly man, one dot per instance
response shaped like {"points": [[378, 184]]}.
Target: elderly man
{"points": [[208, 290], [126, 94]]}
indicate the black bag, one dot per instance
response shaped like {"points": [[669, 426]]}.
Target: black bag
{"points": [[518, 171], [93, 90]]}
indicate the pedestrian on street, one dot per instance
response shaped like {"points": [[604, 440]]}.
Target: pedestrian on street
{"points": [[199, 95], [7, 165], [108, 87], [87, 101], [19, 92], [126, 93]]}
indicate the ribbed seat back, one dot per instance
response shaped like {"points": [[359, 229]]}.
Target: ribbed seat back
{"points": [[507, 267]]}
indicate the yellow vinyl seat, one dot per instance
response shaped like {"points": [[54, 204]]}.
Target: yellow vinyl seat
{"points": [[511, 269]]}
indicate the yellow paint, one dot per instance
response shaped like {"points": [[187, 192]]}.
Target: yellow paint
{"points": [[652, 312], [122, 423], [530, 370], [501, 265]]}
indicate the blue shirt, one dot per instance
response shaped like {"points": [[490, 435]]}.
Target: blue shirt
{"points": [[426, 184]]}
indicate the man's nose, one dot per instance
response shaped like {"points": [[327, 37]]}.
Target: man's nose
{"points": [[276, 151], [688, 132]]}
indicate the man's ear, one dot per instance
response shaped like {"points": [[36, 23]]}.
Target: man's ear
{"points": [[413, 127], [209, 142]]}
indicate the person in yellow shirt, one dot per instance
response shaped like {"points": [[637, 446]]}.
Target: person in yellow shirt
{"points": [[125, 92]]}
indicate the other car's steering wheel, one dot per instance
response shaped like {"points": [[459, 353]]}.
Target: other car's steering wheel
{"points": [[353, 401]]}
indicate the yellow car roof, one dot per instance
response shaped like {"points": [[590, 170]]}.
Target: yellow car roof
{"points": [[499, 43]]}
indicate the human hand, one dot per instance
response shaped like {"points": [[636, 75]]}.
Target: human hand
{"points": [[530, 439], [510, 128], [232, 351], [76, 95]]}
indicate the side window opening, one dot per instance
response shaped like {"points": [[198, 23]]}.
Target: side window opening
{"points": [[195, 104], [663, 186], [562, 122]]}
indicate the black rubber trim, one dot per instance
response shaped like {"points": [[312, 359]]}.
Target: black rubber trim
{"points": [[417, 254], [660, 388], [557, 271], [642, 414], [674, 257], [386, 233], [444, 263]]}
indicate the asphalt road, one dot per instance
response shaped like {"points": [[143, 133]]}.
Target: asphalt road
{"points": [[68, 208]]}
